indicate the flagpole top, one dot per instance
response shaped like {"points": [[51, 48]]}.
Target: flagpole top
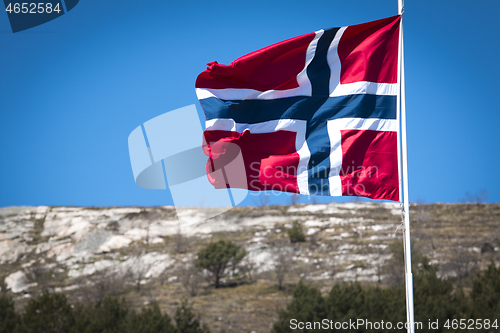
{"points": [[401, 7]]}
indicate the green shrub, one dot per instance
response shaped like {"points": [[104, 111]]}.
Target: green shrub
{"points": [[295, 233], [47, 313]]}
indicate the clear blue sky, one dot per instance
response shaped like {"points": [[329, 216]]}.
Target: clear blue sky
{"points": [[73, 89]]}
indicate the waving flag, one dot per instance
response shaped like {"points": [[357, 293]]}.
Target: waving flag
{"points": [[315, 114]]}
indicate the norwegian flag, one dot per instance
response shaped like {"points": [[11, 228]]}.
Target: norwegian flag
{"points": [[315, 114]]}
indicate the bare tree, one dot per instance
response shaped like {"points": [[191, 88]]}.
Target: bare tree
{"points": [[294, 199], [379, 269], [247, 269], [137, 271], [464, 264], [148, 238], [3, 285], [191, 278], [395, 267], [39, 274], [283, 262], [179, 241], [150, 293], [477, 198], [263, 199], [100, 284], [421, 213]]}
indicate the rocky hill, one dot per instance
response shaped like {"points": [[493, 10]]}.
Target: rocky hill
{"points": [[146, 254]]}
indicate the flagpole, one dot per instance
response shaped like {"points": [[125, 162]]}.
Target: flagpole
{"points": [[406, 200]]}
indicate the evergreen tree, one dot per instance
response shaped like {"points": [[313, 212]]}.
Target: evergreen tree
{"points": [[187, 321], [108, 317], [486, 295], [85, 315], [111, 315], [307, 305], [49, 313], [296, 234], [434, 297], [150, 320], [216, 257], [8, 316], [352, 301]]}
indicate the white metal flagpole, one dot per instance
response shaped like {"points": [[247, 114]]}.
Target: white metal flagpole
{"points": [[404, 184]]}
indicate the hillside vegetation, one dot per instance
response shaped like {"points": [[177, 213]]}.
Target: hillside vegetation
{"points": [[146, 257]]}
